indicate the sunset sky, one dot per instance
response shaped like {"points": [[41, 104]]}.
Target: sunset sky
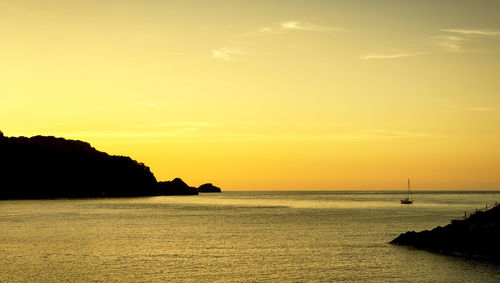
{"points": [[264, 95]]}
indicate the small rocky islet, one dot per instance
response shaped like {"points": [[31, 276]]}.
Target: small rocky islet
{"points": [[476, 236], [49, 167], [178, 187]]}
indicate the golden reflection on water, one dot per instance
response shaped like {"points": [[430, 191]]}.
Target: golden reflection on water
{"points": [[233, 236]]}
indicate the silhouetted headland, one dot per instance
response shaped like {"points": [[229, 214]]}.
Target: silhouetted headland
{"points": [[50, 167], [477, 236], [208, 188]]}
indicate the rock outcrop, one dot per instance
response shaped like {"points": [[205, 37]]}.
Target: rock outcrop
{"points": [[476, 236], [175, 187], [208, 188], [49, 167]]}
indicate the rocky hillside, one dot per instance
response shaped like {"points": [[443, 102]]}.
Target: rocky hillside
{"points": [[49, 167]]}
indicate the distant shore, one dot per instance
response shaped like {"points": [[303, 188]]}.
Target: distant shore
{"points": [[49, 167]]}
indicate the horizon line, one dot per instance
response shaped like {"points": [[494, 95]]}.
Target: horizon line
{"points": [[360, 190]]}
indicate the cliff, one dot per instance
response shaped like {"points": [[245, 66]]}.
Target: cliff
{"points": [[49, 167], [476, 236]]}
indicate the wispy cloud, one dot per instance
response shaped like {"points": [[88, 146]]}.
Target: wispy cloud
{"points": [[292, 25], [233, 54], [451, 43], [221, 54], [455, 40], [449, 40], [390, 56], [143, 104], [472, 32], [304, 26]]}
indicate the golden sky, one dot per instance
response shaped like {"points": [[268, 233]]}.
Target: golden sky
{"points": [[264, 94]]}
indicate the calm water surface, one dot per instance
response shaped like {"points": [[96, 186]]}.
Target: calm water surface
{"points": [[234, 236]]}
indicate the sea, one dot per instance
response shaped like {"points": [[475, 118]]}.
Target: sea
{"points": [[235, 236]]}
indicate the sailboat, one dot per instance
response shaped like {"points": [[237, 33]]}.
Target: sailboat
{"points": [[408, 199]]}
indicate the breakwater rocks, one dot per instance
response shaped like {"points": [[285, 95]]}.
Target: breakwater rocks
{"points": [[476, 236]]}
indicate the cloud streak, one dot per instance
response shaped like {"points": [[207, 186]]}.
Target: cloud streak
{"points": [[449, 40], [472, 32], [232, 54], [292, 25], [451, 43], [304, 26], [221, 54], [455, 40], [390, 56]]}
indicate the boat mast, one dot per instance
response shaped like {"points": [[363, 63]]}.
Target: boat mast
{"points": [[409, 191]]}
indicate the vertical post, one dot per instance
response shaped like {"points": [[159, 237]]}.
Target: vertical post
{"points": [[465, 215], [486, 207]]}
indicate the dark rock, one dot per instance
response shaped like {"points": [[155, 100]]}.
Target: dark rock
{"points": [[175, 187], [49, 167], [208, 188], [477, 236]]}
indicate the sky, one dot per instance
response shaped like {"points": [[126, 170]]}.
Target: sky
{"points": [[264, 95]]}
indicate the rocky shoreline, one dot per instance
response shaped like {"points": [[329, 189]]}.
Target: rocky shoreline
{"points": [[475, 236]]}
